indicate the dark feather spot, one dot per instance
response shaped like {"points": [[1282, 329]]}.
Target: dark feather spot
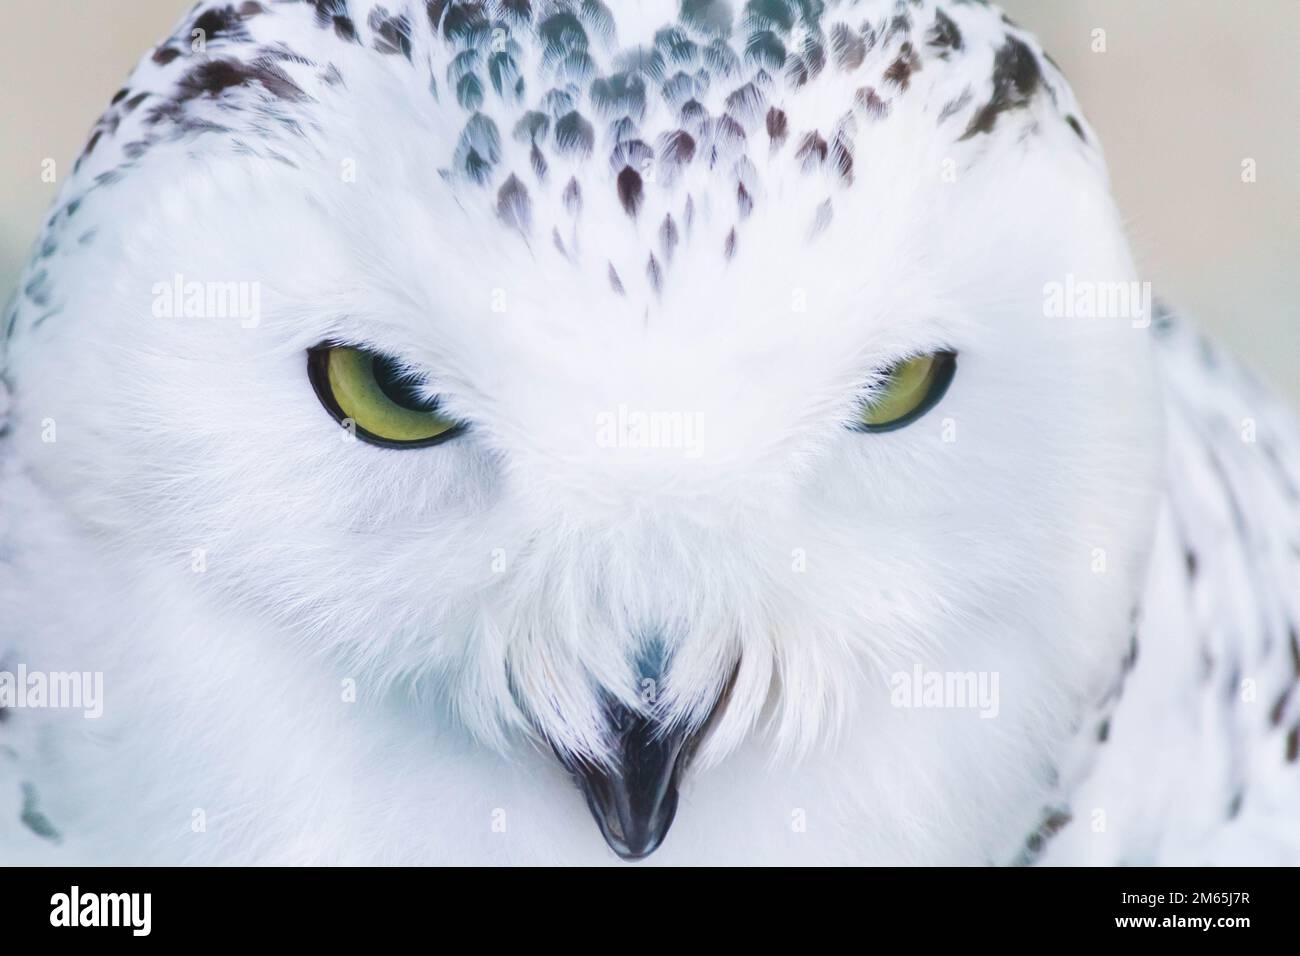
{"points": [[215, 76], [1016, 76], [598, 17], [574, 135], [676, 47], [812, 151], [469, 92], [622, 130], [766, 50], [504, 74], [813, 55], [645, 62], [900, 23], [479, 147], [631, 192], [464, 21], [34, 819], [678, 88], [771, 14], [220, 23], [744, 202], [532, 126], [708, 16], [668, 237], [694, 115], [654, 274], [778, 126], [335, 13], [513, 205], [900, 71], [841, 155], [520, 11], [392, 33], [538, 161], [1049, 828], [720, 59], [746, 104], [561, 33], [677, 148], [728, 136], [1278, 710], [573, 197], [632, 152], [848, 47], [38, 289], [476, 166], [944, 34], [622, 93], [558, 102]]}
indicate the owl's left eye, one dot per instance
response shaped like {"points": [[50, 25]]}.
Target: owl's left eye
{"points": [[371, 393], [908, 390]]}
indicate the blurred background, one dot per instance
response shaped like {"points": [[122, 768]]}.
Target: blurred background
{"points": [[1183, 92]]}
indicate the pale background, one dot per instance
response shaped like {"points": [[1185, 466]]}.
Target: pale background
{"points": [[1185, 91]]}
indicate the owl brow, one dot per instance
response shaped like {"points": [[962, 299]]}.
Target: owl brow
{"points": [[551, 115]]}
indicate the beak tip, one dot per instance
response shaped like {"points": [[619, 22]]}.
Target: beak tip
{"points": [[629, 855], [633, 829]]}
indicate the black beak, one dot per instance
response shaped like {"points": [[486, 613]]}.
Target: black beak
{"points": [[633, 796], [635, 799]]}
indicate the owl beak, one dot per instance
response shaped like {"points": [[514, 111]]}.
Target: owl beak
{"points": [[634, 798]]}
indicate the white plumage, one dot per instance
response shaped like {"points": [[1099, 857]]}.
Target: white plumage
{"points": [[324, 651]]}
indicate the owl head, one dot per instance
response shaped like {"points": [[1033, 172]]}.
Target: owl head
{"points": [[644, 383]]}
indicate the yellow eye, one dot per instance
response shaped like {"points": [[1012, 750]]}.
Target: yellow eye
{"points": [[908, 391], [384, 405]]}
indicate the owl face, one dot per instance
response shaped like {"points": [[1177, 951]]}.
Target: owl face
{"points": [[645, 459]]}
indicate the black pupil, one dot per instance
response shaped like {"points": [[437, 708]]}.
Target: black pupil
{"points": [[401, 389]]}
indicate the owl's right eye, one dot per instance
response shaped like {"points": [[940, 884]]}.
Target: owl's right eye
{"points": [[371, 394]]}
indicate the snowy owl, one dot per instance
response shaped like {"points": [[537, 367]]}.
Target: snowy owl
{"points": [[566, 431]]}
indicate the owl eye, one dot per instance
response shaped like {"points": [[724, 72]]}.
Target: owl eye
{"points": [[907, 391], [384, 404]]}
